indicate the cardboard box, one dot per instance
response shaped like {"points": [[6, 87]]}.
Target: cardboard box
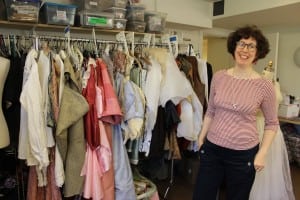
{"points": [[288, 111]]}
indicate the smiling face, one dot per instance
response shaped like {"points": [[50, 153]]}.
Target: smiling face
{"points": [[245, 52]]}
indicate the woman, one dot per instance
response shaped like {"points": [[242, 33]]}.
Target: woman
{"points": [[274, 182], [229, 142]]}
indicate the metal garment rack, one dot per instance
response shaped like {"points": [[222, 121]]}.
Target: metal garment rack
{"points": [[171, 179]]}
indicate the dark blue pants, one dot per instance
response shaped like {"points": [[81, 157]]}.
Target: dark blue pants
{"points": [[222, 165]]}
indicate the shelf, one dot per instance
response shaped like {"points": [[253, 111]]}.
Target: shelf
{"points": [[46, 27]]}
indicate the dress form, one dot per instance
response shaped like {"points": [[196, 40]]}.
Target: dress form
{"points": [[274, 181], [4, 133]]}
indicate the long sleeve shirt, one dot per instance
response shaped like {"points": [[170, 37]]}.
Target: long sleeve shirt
{"points": [[233, 105]]}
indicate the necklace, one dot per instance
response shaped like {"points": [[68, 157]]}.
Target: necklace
{"points": [[233, 95], [246, 75]]}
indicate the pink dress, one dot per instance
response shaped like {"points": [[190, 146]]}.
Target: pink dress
{"points": [[98, 166]]}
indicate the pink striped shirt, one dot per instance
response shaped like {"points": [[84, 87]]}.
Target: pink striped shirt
{"points": [[233, 105]]}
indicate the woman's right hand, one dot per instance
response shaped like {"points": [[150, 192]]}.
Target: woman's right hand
{"points": [[200, 141]]}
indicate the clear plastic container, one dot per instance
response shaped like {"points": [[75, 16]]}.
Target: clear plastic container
{"points": [[23, 11], [120, 24], [105, 4], [135, 12], [96, 19], [119, 13], [136, 26], [58, 14], [90, 4], [155, 22]]}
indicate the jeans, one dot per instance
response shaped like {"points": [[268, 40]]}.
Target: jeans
{"points": [[220, 165]]}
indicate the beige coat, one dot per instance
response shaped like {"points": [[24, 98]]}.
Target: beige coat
{"points": [[70, 132]]}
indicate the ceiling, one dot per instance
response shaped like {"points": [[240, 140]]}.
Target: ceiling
{"points": [[283, 16]]}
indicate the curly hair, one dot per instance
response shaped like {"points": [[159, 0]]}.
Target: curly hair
{"points": [[246, 32]]}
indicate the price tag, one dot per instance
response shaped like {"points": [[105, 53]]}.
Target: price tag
{"points": [[61, 15], [121, 37], [165, 38]]}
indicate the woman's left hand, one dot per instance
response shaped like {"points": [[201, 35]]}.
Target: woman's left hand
{"points": [[259, 162]]}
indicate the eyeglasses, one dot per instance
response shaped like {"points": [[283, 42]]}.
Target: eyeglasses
{"points": [[242, 45]]}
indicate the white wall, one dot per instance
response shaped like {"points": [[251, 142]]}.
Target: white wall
{"points": [[217, 54], [288, 71], [235, 7], [189, 12]]}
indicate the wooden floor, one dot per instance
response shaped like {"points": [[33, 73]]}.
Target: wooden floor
{"points": [[182, 186]]}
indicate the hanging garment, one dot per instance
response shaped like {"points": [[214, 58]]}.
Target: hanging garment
{"points": [[91, 125], [70, 131], [44, 68], [191, 118], [204, 76], [174, 86], [108, 179], [48, 192], [92, 173], [60, 75], [11, 94], [133, 106], [124, 187], [110, 67], [198, 86], [33, 140], [53, 92], [111, 108], [105, 150], [151, 90]]}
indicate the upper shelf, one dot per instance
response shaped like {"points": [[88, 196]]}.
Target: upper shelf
{"points": [[56, 28]]}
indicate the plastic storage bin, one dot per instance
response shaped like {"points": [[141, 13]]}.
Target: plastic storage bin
{"points": [[89, 4], [96, 19], [155, 22], [135, 13], [23, 11], [105, 4], [58, 14], [120, 24], [119, 13], [135, 26]]}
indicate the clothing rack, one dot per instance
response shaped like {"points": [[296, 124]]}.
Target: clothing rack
{"points": [[38, 40], [72, 39]]}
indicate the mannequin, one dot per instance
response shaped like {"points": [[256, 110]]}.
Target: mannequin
{"points": [[274, 181], [4, 133]]}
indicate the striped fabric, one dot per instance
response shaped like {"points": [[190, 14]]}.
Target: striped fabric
{"points": [[233, 105]]}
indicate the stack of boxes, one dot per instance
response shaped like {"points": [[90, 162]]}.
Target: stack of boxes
{"points": [[109, 14], [90, 14], [135, 14]]}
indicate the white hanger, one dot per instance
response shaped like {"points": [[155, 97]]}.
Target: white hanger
{"points": [[147, 39], [120, 37], [130, 39]]}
